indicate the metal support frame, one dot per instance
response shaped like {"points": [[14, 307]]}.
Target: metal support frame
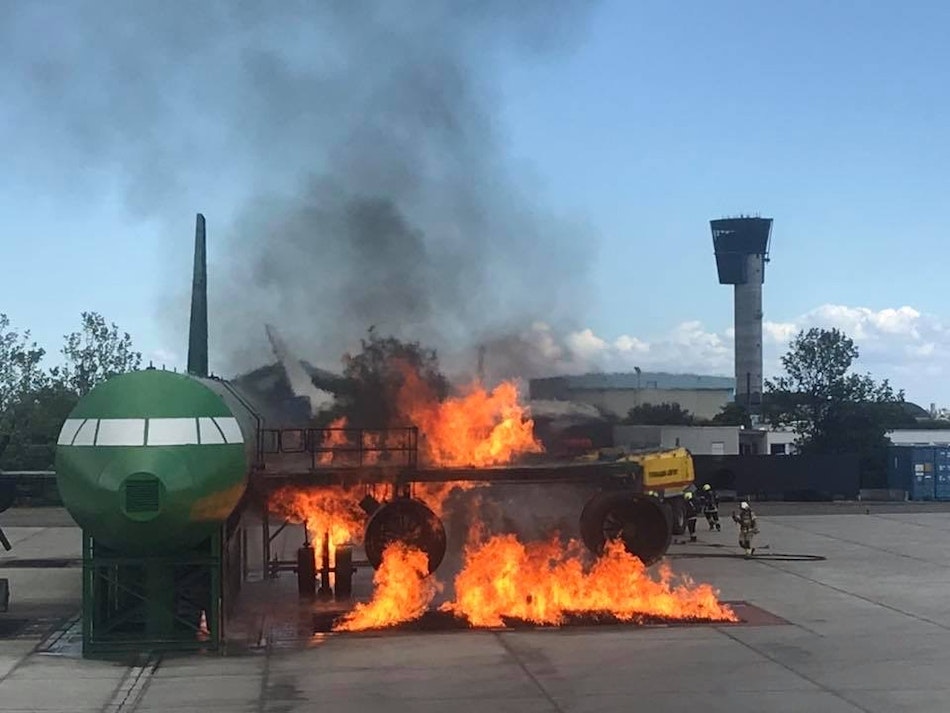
{"points": [[271, 567], [152, 603], [275, 566], [265, 536], [397, 475]]}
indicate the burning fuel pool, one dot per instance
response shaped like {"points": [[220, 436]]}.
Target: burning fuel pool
{"points": [[510, 584], [436, 621]]}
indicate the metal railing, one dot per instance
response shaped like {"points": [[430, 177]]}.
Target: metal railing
{"points": [[345, 447]]}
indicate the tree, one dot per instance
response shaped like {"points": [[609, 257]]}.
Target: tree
{"points": [[96, 353], [830, 409], [20, 376], [377, 373], [34, 402], [35, 422], [732, 414], [20, 359], [660, 415]]}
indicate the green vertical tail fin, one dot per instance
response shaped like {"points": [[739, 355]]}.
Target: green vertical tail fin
{"points": [[198, 333]]}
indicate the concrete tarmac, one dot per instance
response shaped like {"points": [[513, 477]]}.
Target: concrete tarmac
{"points": [[868, 629]]}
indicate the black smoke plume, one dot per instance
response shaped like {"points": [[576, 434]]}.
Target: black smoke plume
{"points": [[349, 156]]}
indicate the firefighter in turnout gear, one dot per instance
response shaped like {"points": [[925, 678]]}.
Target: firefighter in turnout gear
{"points": [[747, 527], [691, 511], [711, 507]]}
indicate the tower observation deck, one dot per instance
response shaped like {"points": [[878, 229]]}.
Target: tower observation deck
{"points": [[742, 248]]}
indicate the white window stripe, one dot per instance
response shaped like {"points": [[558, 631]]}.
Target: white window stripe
{"points": [[172, 431], [209, 433], [86, 435], [134, 432], [230, 428], [68, 433], [121, 432]]}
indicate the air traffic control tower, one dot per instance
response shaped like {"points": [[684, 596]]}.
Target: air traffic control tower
{"points": [[742, 249]]}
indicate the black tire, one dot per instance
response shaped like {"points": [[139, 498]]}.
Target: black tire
{"points": [[591, 523], [643, 524], [678, 515], [408, 521], [343, 573]]}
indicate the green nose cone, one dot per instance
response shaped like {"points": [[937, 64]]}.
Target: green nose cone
{"points": [[151, 463]]}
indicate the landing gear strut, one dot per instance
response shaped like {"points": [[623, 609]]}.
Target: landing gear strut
{"points": [[342, 570]]}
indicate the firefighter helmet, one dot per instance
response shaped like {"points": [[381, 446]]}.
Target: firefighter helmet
{"points": [[688, 495], [744, 505], [707, 486]]}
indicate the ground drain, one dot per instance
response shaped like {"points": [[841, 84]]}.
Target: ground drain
{"points": [[65, 640]]}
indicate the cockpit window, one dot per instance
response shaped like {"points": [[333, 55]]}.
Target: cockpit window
{"points": [[172, 431], [230, 428], [68, 432], [86, 435], [209, 432], [121, 432], [159, 431]]}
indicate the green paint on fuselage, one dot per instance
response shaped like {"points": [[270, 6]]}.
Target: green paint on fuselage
{"points": [[151, 393], [197, 486]]}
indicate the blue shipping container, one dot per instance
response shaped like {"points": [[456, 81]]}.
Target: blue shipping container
{"points": [[911, 468], [922, 485], [942, 473], [898, 468]]}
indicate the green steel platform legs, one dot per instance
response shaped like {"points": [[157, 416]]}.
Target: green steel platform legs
{"points": [[144, 604]]}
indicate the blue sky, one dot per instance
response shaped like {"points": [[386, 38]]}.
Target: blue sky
{"points": [[831, 118]]}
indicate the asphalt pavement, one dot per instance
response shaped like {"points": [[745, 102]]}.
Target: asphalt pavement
{"points": [[855, 620]]}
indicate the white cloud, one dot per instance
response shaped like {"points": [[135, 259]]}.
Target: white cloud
{"points": [[626, 343], [776, 332], [862, 323], [904, 345], [585, 344], [923, 350]]}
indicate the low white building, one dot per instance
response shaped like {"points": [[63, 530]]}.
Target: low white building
{"points": [[765, 441], [700, 440], [703, 396], [735, 440], [919, 437], [707, 440]]}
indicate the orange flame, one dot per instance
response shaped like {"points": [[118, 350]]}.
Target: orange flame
{"points": [[330, 510], [434, 495], [403, 591], [480, 429], [373, 443], [543, 582], [361, 446], [332, 439]]}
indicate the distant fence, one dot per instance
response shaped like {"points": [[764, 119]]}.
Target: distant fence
{"points": [[792, 477], [32, 488]]}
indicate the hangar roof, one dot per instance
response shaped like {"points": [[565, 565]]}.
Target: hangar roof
{"points": [[658, 380]]}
